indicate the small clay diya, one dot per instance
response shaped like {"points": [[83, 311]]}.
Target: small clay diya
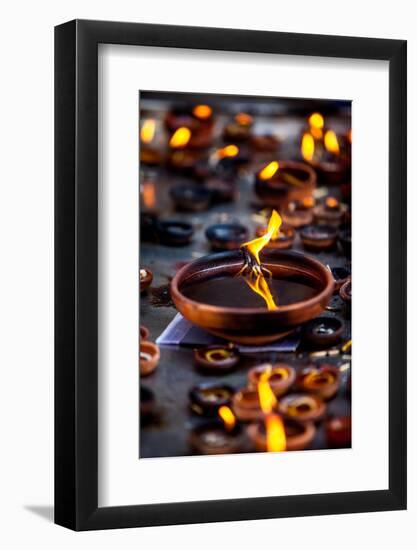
{"points": [[298, 435], [285, 238], [346, 292], [323, 381], [207, 398], [183, 161], [280, 377], [149, 356], [330, 212], [246, 405], [339, 431], [175, 233], [265, 143], [190, 198], [216, 359], [323, 332], [239, 129], [280, 182], [345, 240], [340, 275], [299, 213], [302, 407], [145, 277], [227, 236], [221, 190], [331, 169], [207, 292], [146, 403], [144, 332], [213, 438], [318, 237]]}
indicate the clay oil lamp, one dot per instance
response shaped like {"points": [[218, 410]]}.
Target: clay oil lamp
{"points": [[251, 404], [345, 240], [216, 359], [330, 212], [283, 241], [265, 143], [183, 161], [297, 436], [218, 436], [280, 182], [222, 190], [150, 155], [341, 276], [299, 213], [279, 376], [149, 356], [251, 299], [226, 236], [302, 407], [190, 198], [143, 332], [323, 381], [229, 158], [346, 292], [339, 431], [207, 398], [145, 277], [174, 232], [239, 129], [319, 237], [323, 332], [199, 123], [146, 404]]}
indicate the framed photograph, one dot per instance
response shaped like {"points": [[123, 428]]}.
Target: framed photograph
{"points": [[219, 193]]}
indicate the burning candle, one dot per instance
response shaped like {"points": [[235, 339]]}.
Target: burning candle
{"points": [[302, 407], [217, 359], [220, 436], [323, 381], [145, 277], [279, 376], [149, 356], [207, 398]]}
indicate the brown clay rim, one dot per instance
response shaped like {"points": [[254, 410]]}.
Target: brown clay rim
{"points": [[223, 261], [311, 177]]}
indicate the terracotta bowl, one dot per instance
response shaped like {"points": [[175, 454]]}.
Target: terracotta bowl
{"points": [[299, 436], [148, 358], [253, 325]]}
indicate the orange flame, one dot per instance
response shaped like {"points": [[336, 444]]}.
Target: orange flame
{"points": [[269, 170], [316, 120], [180, 137], [147, 131], [267, 399], [308, 202], [260, 286], [276, 441], [349, 135], [331, 143], [256, 245], [202, 111], [307, 146], [243, 119], [148, 194], [228, 151], [228, 417], [331, 202]]}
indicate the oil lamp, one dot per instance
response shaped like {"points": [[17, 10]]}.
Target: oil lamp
{"points": [[207, 398], [346, 292], [319, 237], [222, 190], [330, 212], [298, 436], [284, 240], [247, 406], [323, 381], [190, 198], [143, 332], [149, 154], [149, 356], [174, 232], [302, 407], [239, 129], [265, 143], [247, 298], [183, 161], [145, 277], [280, 182], [226, 236], [218, 436], [339, 431], [323, 332], [299, 213], [146, 404], [340, 275], [217, 359], [280, 376]]}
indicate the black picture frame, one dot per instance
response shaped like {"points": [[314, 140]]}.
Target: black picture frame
{"points": [[76, 271]]}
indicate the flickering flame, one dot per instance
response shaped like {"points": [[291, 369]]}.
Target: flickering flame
{"points": [[308, 202], [267, 399], [180, 137], [259, 285], [331, 143], [148, 194], [269, 170], [307, 146], [228, 151], [316, 120], [256, 245], [228, 417], [147, 131], [275, 434], [331, 202], [243, 119], [202, 111]]}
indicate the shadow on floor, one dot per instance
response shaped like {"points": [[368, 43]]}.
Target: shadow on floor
{"points": [[45, 512]]}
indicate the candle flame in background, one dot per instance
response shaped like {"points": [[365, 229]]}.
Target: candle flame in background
{"points": [[268, 171], [228, 151], [228, 417], [316, 123], [243, 119], [331, 202], [148, 194], [202, 112], [308, 202], [349, 135], [147, 131], [331, 143], [256, 245], [180, 137], [259, 285], [275, 431], [307, 146], [267, 399]]}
